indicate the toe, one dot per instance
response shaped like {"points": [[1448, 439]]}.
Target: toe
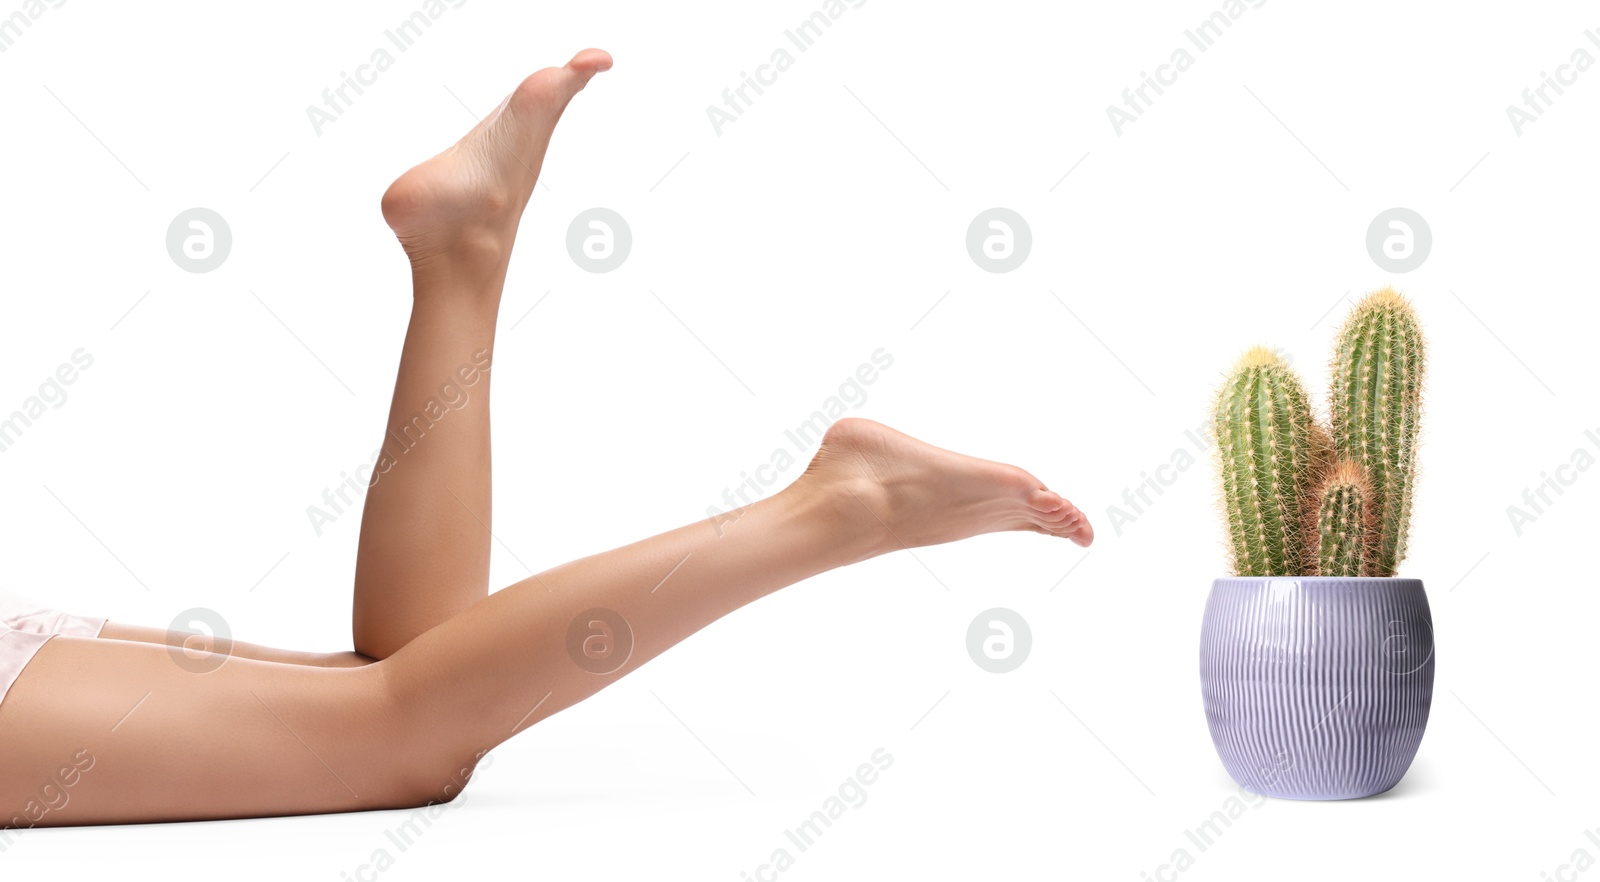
{"points": [[1073, 524], [1046, 500], [1063, 516], [590, 62], [549, 90], [1067, 514]]}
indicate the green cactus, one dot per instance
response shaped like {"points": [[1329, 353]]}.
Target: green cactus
{"points": [[1344, 530], [1376, 404], [1289, 510], [1268, 450]]}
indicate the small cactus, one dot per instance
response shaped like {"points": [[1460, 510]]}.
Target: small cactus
{"points": [[1268, 448], [1344, 535], [1376, 406], [1301, 499]]}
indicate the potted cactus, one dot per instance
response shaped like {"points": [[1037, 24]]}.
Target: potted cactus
{"points": [[1316, 661]]}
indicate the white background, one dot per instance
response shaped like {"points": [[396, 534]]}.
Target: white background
{"points": [[820, 227]]}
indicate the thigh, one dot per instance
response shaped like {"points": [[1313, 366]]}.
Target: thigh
{"points": [[192, 643], [107, 731]]}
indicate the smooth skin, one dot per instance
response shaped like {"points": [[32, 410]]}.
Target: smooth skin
{"points": [[442, 671]]}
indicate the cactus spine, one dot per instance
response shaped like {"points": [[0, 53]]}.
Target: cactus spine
{"points": [[1376, 407], [1267, 447], [1345, 527]]}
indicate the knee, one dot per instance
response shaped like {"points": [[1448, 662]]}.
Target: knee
{"points": [[375, 642]]}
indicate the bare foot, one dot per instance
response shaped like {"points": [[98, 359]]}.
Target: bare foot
{"points": [[472, 195], [911, 494]]}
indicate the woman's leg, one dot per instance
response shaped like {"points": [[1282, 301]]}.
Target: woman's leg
{"points": [[424, 549], [257, 738], [556, 638]]}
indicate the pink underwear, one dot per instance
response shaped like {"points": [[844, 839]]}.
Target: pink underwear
{"points": [[25, 627]]}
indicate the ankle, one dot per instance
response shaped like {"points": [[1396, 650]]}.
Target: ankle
{"points": [[471, 260], [849, 510]]}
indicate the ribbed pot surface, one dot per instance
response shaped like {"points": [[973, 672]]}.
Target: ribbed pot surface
{"points": [[1317, 688]]}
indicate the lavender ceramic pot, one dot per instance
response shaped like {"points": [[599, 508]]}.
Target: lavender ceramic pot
{"points": [[1317, 688]]}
